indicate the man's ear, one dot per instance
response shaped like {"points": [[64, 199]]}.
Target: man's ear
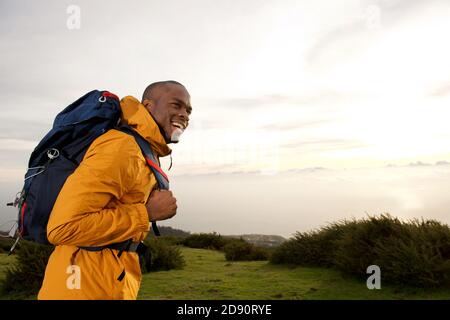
{"points": [[148, 104]]}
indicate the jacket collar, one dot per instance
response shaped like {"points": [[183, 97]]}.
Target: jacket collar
{"points": [[137, 117]]}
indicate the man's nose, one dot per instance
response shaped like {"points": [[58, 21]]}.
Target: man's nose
{"points": [[184, 115]]}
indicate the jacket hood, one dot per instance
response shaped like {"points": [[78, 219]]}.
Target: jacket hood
{"points": [[137, 117]]}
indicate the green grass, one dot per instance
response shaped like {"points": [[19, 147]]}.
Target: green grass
{"points": [[207, 275], [5, 262]]}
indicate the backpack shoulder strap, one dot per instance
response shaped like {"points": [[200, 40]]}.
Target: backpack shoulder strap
{"points": [[161, 177]]}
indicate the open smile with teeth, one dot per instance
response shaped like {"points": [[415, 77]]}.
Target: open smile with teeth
{"points": [[179, 125]]}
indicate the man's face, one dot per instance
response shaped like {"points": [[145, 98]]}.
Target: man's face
{"points": [[170, 107]]}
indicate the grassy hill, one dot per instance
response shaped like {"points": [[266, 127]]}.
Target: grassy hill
{"points": [[169, 231], [261, 280], [207, 275], [261, 240]]}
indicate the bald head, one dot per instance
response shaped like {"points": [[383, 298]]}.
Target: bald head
{"points": [[155, 90], [169, 103]]}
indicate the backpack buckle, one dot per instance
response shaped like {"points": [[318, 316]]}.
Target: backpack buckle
{"points": [[52, 153]]}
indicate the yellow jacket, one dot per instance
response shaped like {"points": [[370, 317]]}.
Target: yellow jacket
{"points": [[101, 203]]}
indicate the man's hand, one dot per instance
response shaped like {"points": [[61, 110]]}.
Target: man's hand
{"points": [[161, 205]]}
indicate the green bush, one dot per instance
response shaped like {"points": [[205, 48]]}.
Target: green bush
{"points": [[212, 241], [240, 250], [171, 240], [26, 276], [356, 250], [413, 253], [5, 244], [416, 253], [161, 256], [315, 248], [169, 231]]}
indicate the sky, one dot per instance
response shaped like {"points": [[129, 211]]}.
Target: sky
{"points": [[304, 112]]}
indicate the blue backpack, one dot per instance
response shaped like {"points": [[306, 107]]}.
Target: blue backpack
{"points": [[58, 155]]}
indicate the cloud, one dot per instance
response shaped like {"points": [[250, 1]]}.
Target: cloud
{"points": [[361, 27], [17, 144], [418, 164], [232, 169], [326, 144], [25, 130], [400, 6], [46, 67], [274, 112], [328, 43], [308, 198], [292, 125], [271, 100], [14, 159], [441, 91], [307, 170]]}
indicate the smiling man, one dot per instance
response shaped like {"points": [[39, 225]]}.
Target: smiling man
{"points": [[111, 198]]}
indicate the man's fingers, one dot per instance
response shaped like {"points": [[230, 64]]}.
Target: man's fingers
{"points": [[171, 200], [171, 211], [172, 214], [165, 193]]}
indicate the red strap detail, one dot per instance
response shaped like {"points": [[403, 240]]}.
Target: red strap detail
{"points": [[22, 216], [156, 167], [109, 94]]}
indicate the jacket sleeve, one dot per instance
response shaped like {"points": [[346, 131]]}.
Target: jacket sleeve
{"points": [[89, 210]]}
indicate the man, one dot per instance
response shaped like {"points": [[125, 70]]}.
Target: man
{"points": [[110, 198]]}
